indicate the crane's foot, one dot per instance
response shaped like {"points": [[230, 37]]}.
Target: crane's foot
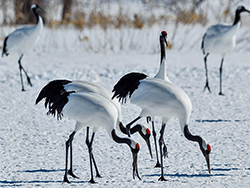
{"points": [[65, 179], [92, 181], [23, 89], [70, 172], [208, 88], [221, 93], [158, 165], [98, 175], [162, 178]]}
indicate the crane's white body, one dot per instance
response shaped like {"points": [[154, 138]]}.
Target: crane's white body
{"points": [[90, 109], [23, 39], [220, 38], [90, 87], [158, 97]]}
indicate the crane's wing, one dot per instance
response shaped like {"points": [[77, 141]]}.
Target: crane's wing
{"points": [[217, 29], [17, 38]]}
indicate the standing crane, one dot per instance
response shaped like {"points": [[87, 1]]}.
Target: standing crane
{"points": [[161, 74], [23, 39], [220, 39]]}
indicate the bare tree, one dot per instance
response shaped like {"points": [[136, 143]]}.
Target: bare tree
{"points": [[4, 9], [66, 14]]}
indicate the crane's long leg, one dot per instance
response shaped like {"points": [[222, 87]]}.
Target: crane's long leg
{"points": [[89, 144], [21, 68], [206, 85], [221, 65], [129, 125], [156, 150], [70, 172], [161, 142], [96, 169], [68, 143]]}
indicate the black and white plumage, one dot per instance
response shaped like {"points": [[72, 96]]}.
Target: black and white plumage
{"points": [[161, 74], [220, 39], [23, 39], [80, 86], [81, 101], [158, 97]]}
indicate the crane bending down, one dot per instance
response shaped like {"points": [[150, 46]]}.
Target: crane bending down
{"points": [[23, 39], [157, 97], [85, 107], [220, 39]]}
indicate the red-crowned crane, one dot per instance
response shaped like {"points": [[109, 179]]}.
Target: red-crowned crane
{"points": [[161, 74], [220, 39], [158, 97], [23, 39], [82, 101]]}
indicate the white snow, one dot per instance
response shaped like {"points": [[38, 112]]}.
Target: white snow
{"points": [[32, 144]]}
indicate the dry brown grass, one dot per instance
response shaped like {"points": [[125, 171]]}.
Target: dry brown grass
{"points": [[188, 17]]}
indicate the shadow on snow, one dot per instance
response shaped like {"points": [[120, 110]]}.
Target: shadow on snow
{"points": [[186, 175], [4, 183], [42, 170], [217, 120]]}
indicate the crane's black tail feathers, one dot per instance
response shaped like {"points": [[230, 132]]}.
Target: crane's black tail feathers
{"points": [[57, 106], [127, 85], [5, 47], [202, 44], [55, 96]]}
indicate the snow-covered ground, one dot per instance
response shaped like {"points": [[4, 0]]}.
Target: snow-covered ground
{"points": [[32, 144]]}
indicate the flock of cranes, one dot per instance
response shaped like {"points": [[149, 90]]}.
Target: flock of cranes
{"points": [[91, 105]]}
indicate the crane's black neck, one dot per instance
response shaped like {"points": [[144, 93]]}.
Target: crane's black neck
{"points": [[122, 128], [191, 137], [118, 139], [163, 51], [136, 128], [36, 14], [237, 17]]}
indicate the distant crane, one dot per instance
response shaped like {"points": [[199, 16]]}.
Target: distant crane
{"points": [[82, 101], [23, 39], [220, 39], [158, 97]]}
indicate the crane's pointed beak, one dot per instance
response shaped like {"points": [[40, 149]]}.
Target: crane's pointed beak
{"points": [[166, 41], [41, 9], [208, 163], [149, 147], [135, 168], [244, 9]]}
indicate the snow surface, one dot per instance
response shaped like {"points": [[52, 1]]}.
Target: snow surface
{"points": [[32, 144]]}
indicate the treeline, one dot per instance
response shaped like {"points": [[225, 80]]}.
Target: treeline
{"points": [[70, 12]]}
